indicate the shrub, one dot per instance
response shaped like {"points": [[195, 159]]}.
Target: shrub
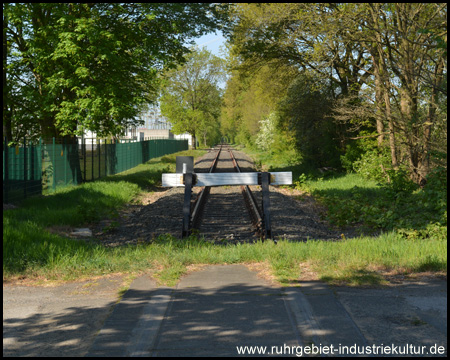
{"points": [[266, 134], [400, 182], [373, 164]]}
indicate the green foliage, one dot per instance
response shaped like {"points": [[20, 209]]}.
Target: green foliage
{"points": [[437, 181], [266, 135], [412, 212], [355, 149], [304, 113], [250, 97], [92, 66], [30, 250], [352, 154], [372, 164], [400, 182], [244, 137], [191, 97], [362, 54]]}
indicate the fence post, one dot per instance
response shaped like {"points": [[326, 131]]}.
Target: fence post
{"points": [[106, 157], [41, 162], [65, 159], [92, 158], [32, 165], [54, 165], [99, 157], [83, 151], [25, 167], [6, 172]]}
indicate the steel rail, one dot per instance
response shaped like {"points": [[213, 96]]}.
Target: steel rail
{"points": [[201, 198], [254, 211], [252, 208]]}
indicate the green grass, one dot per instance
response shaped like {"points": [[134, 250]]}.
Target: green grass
{"points": [[29, 248], [358, 261], [350, 200], [31, 251]]}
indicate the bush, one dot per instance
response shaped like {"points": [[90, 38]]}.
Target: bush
{"points": [[373, 164], [305, 113], [437, 180], [400, 182], [266, 134], [352, 154]]}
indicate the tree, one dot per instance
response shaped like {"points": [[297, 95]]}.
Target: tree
{"points": [[396, 51], [413, 55], [266, 134], [74, 66], [304, 112], [409, 59], [251, 96], [308, 36], [191, 98], [313, 39]]}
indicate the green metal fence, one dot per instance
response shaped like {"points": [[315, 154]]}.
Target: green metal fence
{"points": [[42, 167]]}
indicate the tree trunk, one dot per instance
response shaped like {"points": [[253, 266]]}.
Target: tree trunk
{"points": [[7, 116], [423, 167], [71, 149], [378, 97], [383, 90], [392, 142], [194, 141]]}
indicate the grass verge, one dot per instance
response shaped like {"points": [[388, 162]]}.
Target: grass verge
{"points": [[30, 251]]}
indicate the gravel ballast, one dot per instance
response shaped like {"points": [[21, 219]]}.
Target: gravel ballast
{"points": [[292, 219]]}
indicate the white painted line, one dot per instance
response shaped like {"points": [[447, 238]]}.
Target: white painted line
{"points": [[221, 179], [146, 331]]}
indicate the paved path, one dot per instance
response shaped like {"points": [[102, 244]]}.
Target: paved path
{"points": [[214, 311], [41, 321]]}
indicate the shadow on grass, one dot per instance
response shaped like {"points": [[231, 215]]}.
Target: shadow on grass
{"points": [[150, 178], [379, 208], [147, 180], [28, 245], [431, 263]]}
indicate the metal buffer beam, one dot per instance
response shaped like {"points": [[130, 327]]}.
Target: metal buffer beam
{"points": [[189, 180], [222, 179]]}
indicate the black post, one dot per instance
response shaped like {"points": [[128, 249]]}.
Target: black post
{"points": [[187, 204], [32, 165], [265, 180], [92, 158], [83, 144], [6, 164], [106, 157], [99, 158], [25, 167]]}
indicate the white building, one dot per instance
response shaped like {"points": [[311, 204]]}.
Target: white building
{"points": [[184, 136], [155, 126]]}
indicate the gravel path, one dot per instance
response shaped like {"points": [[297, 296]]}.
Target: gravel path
{"points": [[295, 220]]}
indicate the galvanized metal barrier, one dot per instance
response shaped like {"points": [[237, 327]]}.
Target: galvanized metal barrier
{"points": [[191, 179], [35, 168]]}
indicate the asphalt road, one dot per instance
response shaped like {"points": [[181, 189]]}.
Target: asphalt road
{"points": [[224, 310]]}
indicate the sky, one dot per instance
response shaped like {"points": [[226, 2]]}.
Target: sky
{"points": [[212, 42]]}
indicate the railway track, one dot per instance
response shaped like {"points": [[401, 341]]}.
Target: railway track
{"points": [[226, 213]]}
